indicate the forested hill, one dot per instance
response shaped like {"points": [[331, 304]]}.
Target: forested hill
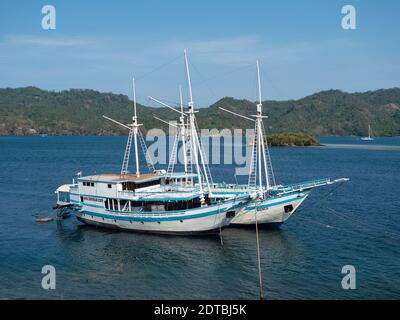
{"points": [[79, 112]]}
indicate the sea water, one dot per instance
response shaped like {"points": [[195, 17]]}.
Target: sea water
{"points": [[357, 223]]}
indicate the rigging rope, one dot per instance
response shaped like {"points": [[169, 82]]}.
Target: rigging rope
{"points": [[351, 220], [158, 68], [319, 199]]}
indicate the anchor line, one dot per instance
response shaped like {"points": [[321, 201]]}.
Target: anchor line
{"points": [[392, 235], [261, 290], [319, 200], [317, 223], [370, 231], [352, 221]]}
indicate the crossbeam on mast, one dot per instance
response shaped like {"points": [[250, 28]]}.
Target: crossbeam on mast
{"points": [[166, 122], [236, 114], [165, 105], [117, 122]]}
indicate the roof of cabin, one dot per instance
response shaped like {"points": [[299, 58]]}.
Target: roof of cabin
{"points": [[115, 177]]}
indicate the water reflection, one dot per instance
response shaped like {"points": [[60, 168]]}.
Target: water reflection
{"points": [[171, 263]]}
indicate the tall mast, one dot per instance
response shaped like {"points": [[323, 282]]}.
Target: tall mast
{"points": [[135, 128], [188, 80], [259, 85], [260, 137], [193, 133], [181, 98], [260, 153], [183, 131], [259, 134]]}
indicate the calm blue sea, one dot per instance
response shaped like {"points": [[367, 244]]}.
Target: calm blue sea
{"points": [[357, 224]]}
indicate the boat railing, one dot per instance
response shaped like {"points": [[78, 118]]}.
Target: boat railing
{"points": [[160, 192], [304, 185]]}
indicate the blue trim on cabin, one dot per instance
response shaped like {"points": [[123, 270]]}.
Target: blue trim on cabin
{"points": [[138, 196]]}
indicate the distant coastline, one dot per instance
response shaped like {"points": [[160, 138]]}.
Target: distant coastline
{"points": [[275, 140], [33, 111]]}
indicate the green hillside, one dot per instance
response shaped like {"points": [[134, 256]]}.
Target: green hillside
{"points": [[30, 110]]}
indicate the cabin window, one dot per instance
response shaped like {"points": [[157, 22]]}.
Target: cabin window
{"points": [[109, 186], [106, 204], [131, 186], [88, 184], [122, 204], [136, 204]]}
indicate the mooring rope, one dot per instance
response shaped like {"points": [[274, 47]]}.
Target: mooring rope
{"points": [[312, 204]]}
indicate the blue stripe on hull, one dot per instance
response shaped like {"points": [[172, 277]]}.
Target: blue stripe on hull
{"points": [[149, 219], [273, 204]]}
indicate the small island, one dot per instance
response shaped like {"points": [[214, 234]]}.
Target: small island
{"points": [[292, 140]]}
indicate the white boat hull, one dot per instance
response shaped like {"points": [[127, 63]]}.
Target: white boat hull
{"points": [[208, 219], [274, 211]]}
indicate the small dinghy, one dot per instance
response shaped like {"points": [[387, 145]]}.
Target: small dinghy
{"points": [[44, 219]]}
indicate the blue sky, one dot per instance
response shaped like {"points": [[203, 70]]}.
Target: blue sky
{"points": [[301, 46]]}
